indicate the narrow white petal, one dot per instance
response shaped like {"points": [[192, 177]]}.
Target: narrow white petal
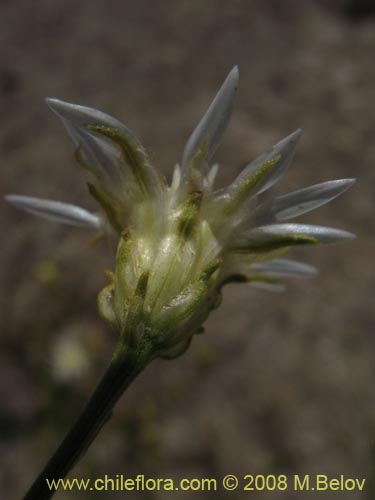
{"points": [[55, 210], [264, 171], [299, 202], [206, 137], [321, 233], [83, 116], [284, 267], [99, 153], [106, 154]]}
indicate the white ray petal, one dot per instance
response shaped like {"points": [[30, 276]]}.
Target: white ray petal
{"points": [[83, 116], [322, 233], [285, 267], [55, 210], [107, 156], [99, 153], [298, 202], [264, 171], [206, 137]]}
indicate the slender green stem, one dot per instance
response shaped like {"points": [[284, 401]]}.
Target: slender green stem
{"points": [[125, 366]]}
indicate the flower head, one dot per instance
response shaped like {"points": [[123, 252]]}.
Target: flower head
{"points": [[179, 244]]}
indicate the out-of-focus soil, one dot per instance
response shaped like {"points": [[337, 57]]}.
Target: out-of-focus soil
{"points": [[278, 383]]}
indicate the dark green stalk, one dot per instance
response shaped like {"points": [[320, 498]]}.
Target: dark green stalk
{"points": [[124, 368]]}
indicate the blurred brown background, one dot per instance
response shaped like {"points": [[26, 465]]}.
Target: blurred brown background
{"points": [[278, 383]]}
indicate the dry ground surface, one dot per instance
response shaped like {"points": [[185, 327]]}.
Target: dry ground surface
{"points": [[278, 383]]}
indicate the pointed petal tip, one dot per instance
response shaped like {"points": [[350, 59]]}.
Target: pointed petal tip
{"points": [[81, 117], [235, 73], [349, 182], [299, 202], [54, 210], [77, 114], [54, 103], [341, 185], [64, 108], [207, 135], [293, 137], [348, 235], [290, 142], [61, 108], [287, 146], [13, 199], [50, 100], [334, 235], [230, 84]]}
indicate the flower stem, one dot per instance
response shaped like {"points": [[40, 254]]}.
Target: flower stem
{"points": [[124, 368]]}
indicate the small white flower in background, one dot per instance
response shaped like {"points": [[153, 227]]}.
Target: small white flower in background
{"points": [[179, 244], [69, 359]]}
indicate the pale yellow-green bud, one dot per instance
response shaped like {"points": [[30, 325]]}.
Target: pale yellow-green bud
{"points": [[164, 283]]}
